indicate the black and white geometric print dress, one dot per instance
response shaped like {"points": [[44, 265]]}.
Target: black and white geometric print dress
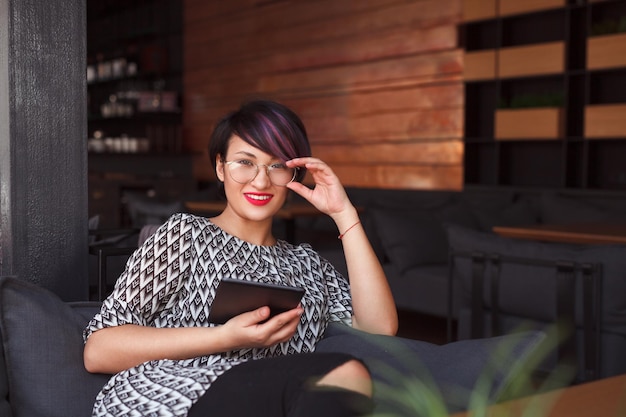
{"points": [[170, 282]]}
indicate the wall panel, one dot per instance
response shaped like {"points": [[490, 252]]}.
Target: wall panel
{"points": [[377, 83]]}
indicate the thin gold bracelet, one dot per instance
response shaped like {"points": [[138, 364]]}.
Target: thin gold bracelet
{"points": [[347, 230]]}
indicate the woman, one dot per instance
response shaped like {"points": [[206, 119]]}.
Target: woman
{"points": [[153, 333]]}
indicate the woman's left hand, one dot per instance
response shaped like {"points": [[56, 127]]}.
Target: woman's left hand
{"points": [[374, 309], [328, 195]]}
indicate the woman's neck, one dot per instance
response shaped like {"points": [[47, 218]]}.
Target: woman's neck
{"points": [[255, 232]]}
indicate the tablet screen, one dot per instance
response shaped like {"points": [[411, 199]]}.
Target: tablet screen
{"points": [[234, 297]]}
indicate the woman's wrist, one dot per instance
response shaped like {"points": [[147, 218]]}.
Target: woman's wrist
{"points": [[347, 218], [342, 234], [226, 341]]}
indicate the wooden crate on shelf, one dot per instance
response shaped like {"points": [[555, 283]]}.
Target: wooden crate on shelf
{"points": [[536, 59], [480, 65], [604, 121], [510, 7], [532, 123], [606, 51], [478, 9]]}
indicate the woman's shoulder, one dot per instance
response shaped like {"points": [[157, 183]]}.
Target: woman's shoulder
{"points": [[183, 224], [187, 220], [304, 250]]}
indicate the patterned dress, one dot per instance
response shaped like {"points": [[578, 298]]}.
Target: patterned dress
{"points": [[170, 282]]}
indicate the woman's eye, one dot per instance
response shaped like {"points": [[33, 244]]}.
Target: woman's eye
{"points": [[278, 166], [245, 162]]}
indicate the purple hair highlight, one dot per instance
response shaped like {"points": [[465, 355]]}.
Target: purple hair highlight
{"points": [[266, 125]]}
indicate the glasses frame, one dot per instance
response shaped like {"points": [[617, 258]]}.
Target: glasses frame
{"points": [[268, 169]]}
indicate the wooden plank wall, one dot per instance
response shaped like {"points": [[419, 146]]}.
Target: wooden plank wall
{"points": [[378, 83]]}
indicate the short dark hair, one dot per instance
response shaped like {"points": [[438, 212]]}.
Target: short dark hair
{"points": [[267, 125]]}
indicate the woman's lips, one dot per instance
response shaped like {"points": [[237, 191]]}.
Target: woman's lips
{"points": [[258, 199]]}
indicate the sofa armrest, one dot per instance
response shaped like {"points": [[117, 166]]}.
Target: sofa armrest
{"points": [[43, 351], [5, 408]]}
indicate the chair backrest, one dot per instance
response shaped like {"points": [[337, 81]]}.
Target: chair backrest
{"points": [[118, 247], [144, 210], [145, 232]]}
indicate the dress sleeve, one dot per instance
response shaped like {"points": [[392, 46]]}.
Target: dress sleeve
{"points": [[340, 300], [153, 273]]}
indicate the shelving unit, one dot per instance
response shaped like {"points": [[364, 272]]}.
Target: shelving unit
{"points": [[134, 83], [545, 93], [134, 75]]}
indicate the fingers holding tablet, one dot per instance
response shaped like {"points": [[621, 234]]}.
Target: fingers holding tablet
{"points": [[234, 297]]}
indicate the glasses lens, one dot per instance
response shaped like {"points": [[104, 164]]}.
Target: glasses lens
{"points": [[281, 175], [241, 172], [244, 172]]}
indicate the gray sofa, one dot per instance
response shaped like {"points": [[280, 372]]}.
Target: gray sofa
{"points": [[42, 374], [408, 231]]}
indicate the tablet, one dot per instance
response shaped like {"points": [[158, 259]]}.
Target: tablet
{"points": [[234, 297]]}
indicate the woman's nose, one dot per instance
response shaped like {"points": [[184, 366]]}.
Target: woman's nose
{"points": [[262, 178]]}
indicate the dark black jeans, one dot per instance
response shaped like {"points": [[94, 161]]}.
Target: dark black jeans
{"points": [[281, 387]]}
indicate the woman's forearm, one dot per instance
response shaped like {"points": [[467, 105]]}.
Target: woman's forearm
{"points": [[113, 349], [372, 301]]}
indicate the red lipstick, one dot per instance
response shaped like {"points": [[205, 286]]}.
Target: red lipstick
{"points": [[258, 199]]}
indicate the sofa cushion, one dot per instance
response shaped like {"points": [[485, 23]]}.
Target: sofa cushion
{"points": [[423, 289], [411, 238], [413, 369], [517, 213], [43, 349], [521, 283], [557, 209], [417, 237], [488, 198], [372, 200]]}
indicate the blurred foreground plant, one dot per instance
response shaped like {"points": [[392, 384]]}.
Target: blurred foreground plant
{"points": [[510, 373]]}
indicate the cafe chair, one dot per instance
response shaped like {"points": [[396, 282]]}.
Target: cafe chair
{"points": [[508, 283], [119, 245], [486, 317]]}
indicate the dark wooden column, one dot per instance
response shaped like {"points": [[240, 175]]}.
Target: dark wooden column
{"points": [[43, 152]]}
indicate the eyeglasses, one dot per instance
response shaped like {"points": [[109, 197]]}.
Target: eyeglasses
{"points": [[244, 171]]}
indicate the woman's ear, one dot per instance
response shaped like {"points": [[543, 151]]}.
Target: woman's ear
{"points": [[219, 168]]}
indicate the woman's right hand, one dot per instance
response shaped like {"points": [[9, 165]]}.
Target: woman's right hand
{"points": [[251, 330], [113, 349]]}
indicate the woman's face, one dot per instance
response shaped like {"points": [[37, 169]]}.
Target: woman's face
{"points": [[258, 199]]}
